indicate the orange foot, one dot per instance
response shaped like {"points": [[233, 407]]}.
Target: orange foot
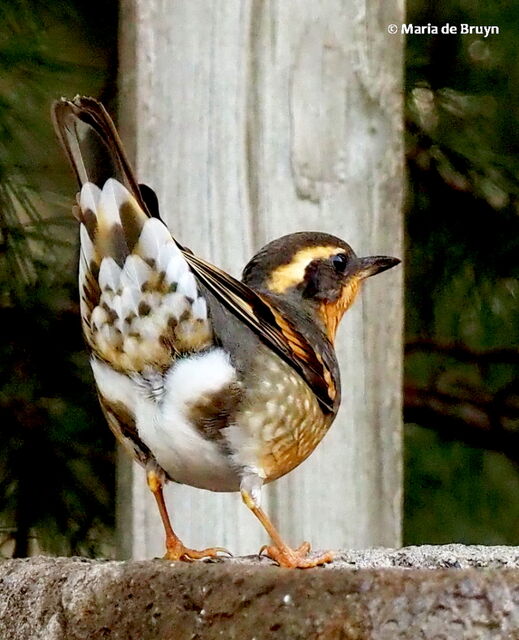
{"points": [[175, 550], [295, 558]]}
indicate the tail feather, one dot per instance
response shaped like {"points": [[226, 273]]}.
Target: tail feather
{"points": [[140, 303], [92, 144], [111, 204]]}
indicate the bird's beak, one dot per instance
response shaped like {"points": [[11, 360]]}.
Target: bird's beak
{"points": [[366, 267]]}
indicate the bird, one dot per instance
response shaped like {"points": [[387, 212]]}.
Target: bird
{"points": [[206, 380]]}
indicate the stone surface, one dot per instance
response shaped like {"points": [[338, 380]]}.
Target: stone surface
{"points": [[431, 593]]}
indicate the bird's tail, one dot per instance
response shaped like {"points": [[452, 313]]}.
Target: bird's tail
{"points": [[118, 232], [94, 149]]}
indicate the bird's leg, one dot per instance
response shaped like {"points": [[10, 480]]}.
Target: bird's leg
{"points": [[280, 552], [175, 549]]}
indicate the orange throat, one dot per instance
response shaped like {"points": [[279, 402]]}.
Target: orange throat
{"points": [[332, 312]]}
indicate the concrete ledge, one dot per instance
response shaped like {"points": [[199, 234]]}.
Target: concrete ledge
{"points": [[440, 593]]}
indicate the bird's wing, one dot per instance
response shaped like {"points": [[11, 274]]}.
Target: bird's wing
{"points": [[272, 327], [140, 300]]}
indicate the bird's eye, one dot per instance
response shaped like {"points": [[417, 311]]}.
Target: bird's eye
{"points": [[339, 262]]}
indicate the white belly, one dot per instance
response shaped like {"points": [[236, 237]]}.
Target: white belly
{"points": [[185, 455], [161, 419]]}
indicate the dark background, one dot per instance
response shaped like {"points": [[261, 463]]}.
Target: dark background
{"points": [[462, 261]]}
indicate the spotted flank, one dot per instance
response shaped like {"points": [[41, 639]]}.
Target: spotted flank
{"points": [[140, 304]]}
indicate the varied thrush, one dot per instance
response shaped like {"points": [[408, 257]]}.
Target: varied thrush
{"points": [[207, 381]]}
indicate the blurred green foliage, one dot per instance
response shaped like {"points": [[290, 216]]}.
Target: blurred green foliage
{"points": [[458, 493], [461, 392], [56, 467], [462, 99]]}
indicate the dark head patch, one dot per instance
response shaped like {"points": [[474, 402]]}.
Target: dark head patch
{"points": [[281, 264]]}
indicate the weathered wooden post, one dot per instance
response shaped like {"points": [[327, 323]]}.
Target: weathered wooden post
{"points": [[253, 119]]}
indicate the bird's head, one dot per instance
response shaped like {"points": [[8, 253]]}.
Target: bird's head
{"points": [[316, 272]]}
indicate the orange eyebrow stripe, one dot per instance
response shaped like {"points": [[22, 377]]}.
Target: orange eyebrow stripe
{"points": [[291, 274]]}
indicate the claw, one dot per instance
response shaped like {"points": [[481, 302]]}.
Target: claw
{"points": [[225, 551], [279, 551], [177, 551], [295, 558]]}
